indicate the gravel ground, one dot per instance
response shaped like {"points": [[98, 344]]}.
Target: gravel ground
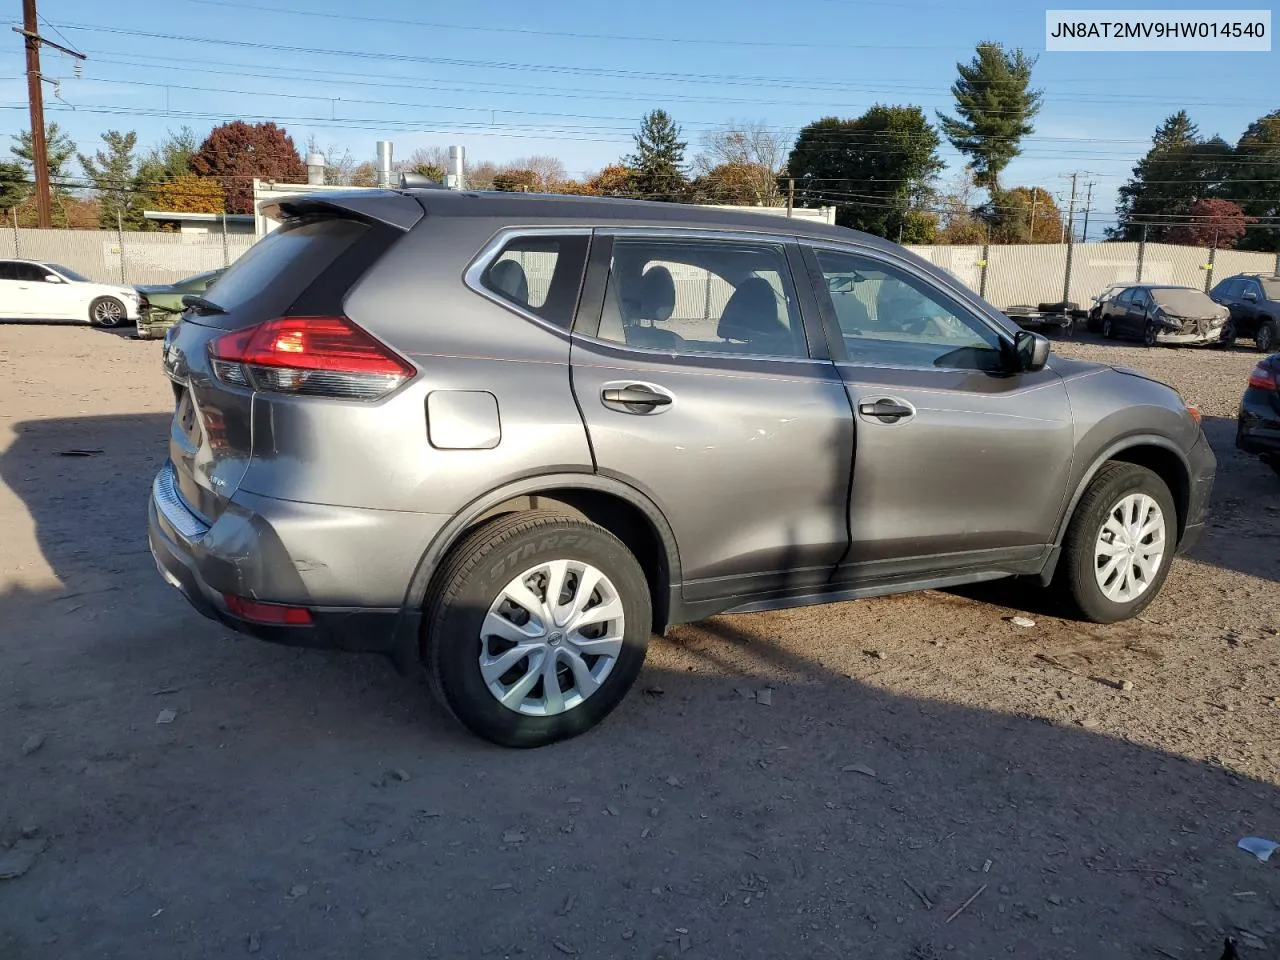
{"points": [[925, 779]]}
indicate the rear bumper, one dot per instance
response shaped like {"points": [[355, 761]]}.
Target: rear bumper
{"points": [[253, 550], [1203, 469]]}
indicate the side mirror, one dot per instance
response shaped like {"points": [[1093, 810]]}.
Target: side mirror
{"points": [[1032, 350], [1251, 296], [52, 278]]}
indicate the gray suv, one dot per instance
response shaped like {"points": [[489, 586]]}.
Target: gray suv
{"points": [[508, 437]]}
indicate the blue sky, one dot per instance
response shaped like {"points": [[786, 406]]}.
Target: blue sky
{"points": [[510, 79]]}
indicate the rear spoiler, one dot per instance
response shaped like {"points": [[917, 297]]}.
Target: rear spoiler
{"points": [[386, 207]]}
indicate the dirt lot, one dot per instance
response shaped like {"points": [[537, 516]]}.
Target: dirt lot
{"points": [[917, 754]]}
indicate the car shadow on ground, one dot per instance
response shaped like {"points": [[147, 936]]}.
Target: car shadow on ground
{"points": [[746, 800]]}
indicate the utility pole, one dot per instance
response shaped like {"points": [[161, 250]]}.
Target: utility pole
{"points": [[1031, 227], [791, 195], [1071, 211], [35, 96], [1088, 203]]}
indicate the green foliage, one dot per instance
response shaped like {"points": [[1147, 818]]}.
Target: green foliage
{"points": [[995, 106], [15, 184], [657, 166], [429, 170], [113, 174], [170, 158], [1253, 180], [874, 169], [1180, 168], [59, 149]]}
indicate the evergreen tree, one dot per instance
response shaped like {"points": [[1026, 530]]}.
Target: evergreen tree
{"points": [[1180, 168], [657, 166], [59, 149], [114, 175], [1255, 177], [15, 185], [995, 106]]}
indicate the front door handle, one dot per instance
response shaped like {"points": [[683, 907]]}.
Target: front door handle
{"points": [[635, 397], [886, 410]]}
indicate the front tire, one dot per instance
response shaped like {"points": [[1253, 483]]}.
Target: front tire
{"points": [[107, 312], [1150, 335], [1120, 543], [536, 628], [1108, 330], [1229, 335], [1265, 338]]}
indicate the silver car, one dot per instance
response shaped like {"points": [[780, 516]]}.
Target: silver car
{"points": [[508, 437]]}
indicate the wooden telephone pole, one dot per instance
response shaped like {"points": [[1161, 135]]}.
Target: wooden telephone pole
{"points": [[35, 95]]}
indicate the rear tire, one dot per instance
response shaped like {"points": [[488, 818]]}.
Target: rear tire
{"points": [[107, 312], [1265, 338], [490, 602], [1096, 566]]}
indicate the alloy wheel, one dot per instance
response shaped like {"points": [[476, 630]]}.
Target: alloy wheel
{"points": [[108, 313]]}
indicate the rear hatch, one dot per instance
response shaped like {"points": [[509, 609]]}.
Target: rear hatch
{"points": [[305, 267]]}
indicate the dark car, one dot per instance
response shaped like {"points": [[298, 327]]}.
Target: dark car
{"points": [[1254, 302], [507, 437], [161, 304], [1158, 313], [1258, 427]]}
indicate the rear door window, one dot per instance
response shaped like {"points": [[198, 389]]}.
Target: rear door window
{"points": [[31, 273], [8, 270]]}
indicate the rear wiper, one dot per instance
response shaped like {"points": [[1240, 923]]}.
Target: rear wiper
{"points": [[200, 304]]}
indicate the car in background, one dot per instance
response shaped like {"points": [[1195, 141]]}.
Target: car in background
{"points": [[1093, 319], [160, 304], [505, 438], [1258, 426], [1254, 302], [1159, 313], [36, 290]]}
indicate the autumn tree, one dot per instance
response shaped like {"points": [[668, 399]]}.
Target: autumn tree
{"points": [[1023, 215], [994, 109], [113, 173], [237, 152], [614, 180], [190, 194], [479, 176], [874, 169], [516, 180], [59, 149], [658, 162], [170, 158], [1211, 223], [745, 184], [364, 175], [956, 203]]}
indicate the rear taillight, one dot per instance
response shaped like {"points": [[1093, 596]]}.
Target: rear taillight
{"points": [[309, 356], [1263, 378]]}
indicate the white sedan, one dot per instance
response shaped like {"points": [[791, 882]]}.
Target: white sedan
{"points": [[34, 290]]}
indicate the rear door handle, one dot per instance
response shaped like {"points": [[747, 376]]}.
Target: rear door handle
{"points": [[886, 410], [642, 398]]}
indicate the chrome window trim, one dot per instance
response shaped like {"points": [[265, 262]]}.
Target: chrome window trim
{"points": [[474, 272], [681, 233]]}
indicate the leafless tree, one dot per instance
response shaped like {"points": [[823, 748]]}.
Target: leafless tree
{"points": [[549, 170], [754, 150], [339, 164]]}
